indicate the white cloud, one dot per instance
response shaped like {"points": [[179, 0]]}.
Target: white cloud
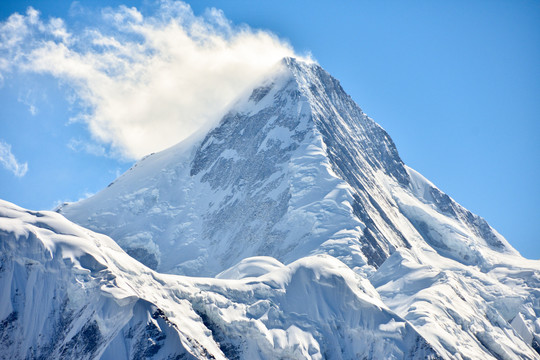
{"points": [[148, 81], [33, 109], [29, 98], [91, 148], [9, 162]]}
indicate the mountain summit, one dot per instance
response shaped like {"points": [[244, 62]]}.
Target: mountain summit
{"points": [[295, 168], [297, 196]]}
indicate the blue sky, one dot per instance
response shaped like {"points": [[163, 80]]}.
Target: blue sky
{"points": [[456, 85]]}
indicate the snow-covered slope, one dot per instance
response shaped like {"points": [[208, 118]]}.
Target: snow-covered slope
{"points": [[69, 293], [296, 169]]}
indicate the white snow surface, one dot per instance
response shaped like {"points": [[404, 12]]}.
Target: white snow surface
{"points": [[70, 293], [321, 242]]}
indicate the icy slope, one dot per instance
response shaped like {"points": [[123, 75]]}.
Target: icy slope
{"points": [[66, 293], [296, 169]]}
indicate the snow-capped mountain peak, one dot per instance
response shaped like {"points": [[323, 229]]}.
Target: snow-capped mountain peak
{"points": [[295, 168], [294, 173]]}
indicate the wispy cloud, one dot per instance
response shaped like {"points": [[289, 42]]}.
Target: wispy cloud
{"points": [[9, 162], [29, 99], [91, 148], [147, 81]]}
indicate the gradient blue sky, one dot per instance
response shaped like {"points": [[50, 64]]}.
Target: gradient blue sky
{"points": [[456, 85]]}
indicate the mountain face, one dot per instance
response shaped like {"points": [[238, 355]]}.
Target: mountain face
{"points": [[296, 168], [316, 241]]}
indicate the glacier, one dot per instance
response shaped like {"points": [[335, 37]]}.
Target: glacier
{"points": [[292, 229]]}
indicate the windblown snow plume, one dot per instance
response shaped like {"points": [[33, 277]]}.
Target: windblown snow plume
{"points": [[144, 81]]}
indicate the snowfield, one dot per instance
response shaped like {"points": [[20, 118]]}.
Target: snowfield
{"points": [[292, 230]]}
